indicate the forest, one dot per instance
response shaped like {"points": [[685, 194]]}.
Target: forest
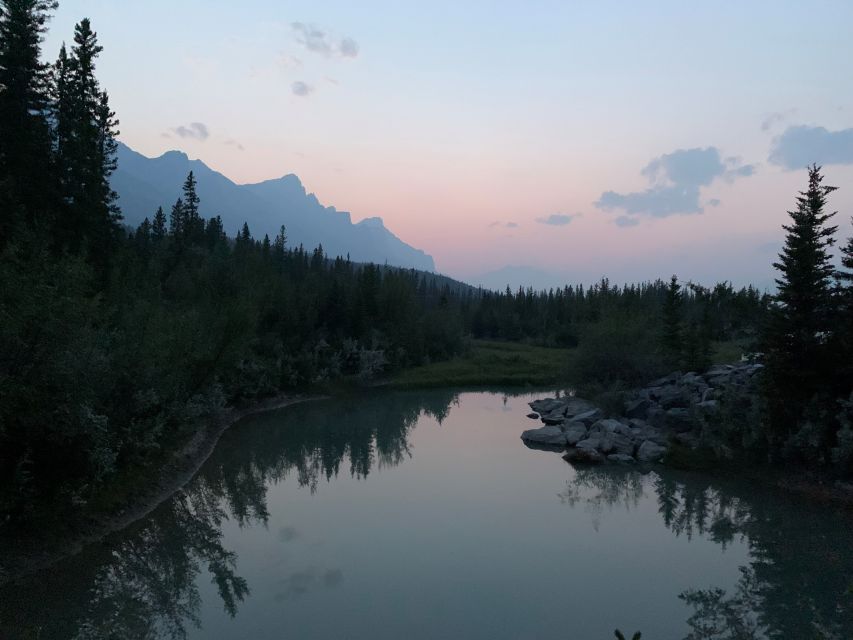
{"points": [[115, 343]]}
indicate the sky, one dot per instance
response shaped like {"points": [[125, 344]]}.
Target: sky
{"points": [[580, 140]]}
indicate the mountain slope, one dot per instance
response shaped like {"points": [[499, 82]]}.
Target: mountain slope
{"points": [[145, 183]]}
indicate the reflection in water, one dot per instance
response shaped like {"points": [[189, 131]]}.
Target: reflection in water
{"points": [[798, 584], [143, 582], [147, 581]]}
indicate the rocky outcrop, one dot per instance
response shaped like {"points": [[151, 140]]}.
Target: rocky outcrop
{"points": [[668, 410]]}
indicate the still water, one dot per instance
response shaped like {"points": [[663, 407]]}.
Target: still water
{"points": [[423, 515]]}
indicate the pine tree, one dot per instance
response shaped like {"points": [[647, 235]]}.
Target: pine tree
{"points": [[671, 338], [158, 228], [844, 325], [801, 319], [193, 224], [25, 144], [177, 220]]}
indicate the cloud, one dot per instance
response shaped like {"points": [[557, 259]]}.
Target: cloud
{"points": [[511, 225], [230, 142], [318, 40], [507, 225], [713, 202], [676, 180], [802, 145], [775, 118], [300, 88], [557, 219], [626, 221], [195, 131]]}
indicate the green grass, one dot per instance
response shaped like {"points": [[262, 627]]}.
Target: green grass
{"points": [[491, 363], [728, 352]]}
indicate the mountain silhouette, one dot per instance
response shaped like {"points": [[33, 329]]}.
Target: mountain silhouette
{"points": [[143, 184]]}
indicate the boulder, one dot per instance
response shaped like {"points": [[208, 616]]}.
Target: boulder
{"points": [[550, 435], [621, 458], [533, 416], [610, 426], [672, 397], [679, 419], [589, 443], [546, 405], [588, 417], [650, 452], [555, 417], [574, 432], [637, 408], [622, 444], [708, 406], [577, 406], [583, 455]]}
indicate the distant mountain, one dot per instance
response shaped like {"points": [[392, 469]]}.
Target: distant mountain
{"points": [[143, 184]]}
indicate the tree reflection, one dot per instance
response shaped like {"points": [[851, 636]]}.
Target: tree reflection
{"points": [[144, 582], [798, 582]]}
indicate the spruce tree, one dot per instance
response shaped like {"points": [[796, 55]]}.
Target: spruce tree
{"points": [[844, 325], [177, 220], [801, 318], [25, 139], [193, 224], [671, 338], [158, 227]]}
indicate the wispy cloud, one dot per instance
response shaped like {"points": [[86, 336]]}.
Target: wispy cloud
{"points": [[626, 221], [802, 145], [319, 40], [676, 180], [505, 225], [301, 89], [775, 118], [557, 219], [193, 131], [230, 142]]}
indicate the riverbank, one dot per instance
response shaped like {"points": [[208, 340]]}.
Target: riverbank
{"points": [[161, 483], [491, 363]]}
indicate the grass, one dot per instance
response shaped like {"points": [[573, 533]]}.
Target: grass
{"points": [[491, 363]]}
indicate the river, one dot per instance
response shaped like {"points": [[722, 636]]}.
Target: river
{"points": [[423, 515]]}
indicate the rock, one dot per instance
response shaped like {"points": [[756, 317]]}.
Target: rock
{"points": [[589, 443], [673, 397], [672, 378], [554, 418], [610, 426], [577, 406], [588, 417], [637, 408], [550, 435], [533, 416], [688, 439], [679, 419], [583, 455], [546, 405], [708, 406], [650, 452], [653, 434], [574, 432], [621, 458], [622, 444], [656, 417]]}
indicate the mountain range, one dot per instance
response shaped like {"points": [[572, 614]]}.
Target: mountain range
{"points": [[143, 184]]}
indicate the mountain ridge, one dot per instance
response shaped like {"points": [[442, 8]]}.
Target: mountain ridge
{"points": [[144, 183]]}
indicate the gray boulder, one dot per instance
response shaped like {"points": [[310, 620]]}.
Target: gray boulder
{"points": [[549, 435], [555, 417], [679, 420], [583, 455], [533, 416], [574, 432], [577, 406], [546, 405], [588, 417], [622, 445], [637, 409], [621, 458], [650, 452]]}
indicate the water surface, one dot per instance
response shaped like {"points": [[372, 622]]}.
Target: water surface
{"points": [[423, 515]]}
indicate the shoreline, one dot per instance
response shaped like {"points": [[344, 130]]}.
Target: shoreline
{"points": [[172, 476]]}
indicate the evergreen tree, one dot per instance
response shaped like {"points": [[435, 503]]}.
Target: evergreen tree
{"points": [[844, 326], [177, 220], [193, 224], [158, 227], [25, 194], [801, 319], [671, 338]]}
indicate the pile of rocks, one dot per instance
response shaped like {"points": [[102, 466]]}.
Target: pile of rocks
{"points": [[669, 409]]}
